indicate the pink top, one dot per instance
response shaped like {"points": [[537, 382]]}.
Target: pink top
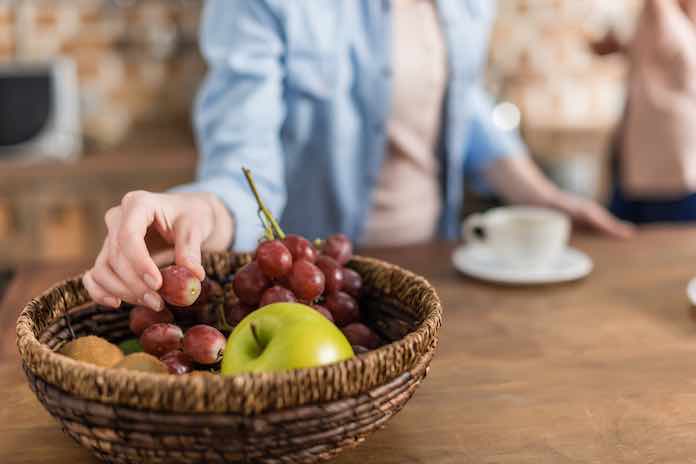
{"points": [[659, 145], [407, 199]]}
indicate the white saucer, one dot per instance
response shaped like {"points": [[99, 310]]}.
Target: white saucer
{"points": [[478, 262]]}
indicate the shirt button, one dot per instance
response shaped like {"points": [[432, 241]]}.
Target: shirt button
{"points": [[387, 72], [378, 127]]}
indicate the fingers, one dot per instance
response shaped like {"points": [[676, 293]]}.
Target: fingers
{"points": [[621, 229], [144, 294], [163, 258], [188, 243], [138, 213], [614, 228], [599, 218], [98, 294], [106, 278], [126, 266]]}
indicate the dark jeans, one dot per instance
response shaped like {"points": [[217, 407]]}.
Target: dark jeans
{"points": [[646, 210], [642, 211]]}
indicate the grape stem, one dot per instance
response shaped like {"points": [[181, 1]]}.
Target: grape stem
{"points": [[222, 320], [275, 229], [255, 334]]}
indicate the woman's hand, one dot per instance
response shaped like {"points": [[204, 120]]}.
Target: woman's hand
{"points": [[124, 269], [519, 181], [589, 213]]}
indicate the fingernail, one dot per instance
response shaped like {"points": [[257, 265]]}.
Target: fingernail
{"points": [[111, 301], [152, 301], [194, 259], [151, 281]]}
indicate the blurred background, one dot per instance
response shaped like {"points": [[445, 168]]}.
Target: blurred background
{"points": [[104, 91]]}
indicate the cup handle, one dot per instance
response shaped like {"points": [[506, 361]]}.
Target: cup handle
{"points": [[474, 229]]}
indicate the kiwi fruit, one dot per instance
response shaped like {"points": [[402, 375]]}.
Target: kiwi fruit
{"points": [[93, 350], [143, 362]]}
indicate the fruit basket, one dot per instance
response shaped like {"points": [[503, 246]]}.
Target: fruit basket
{"points": [[304, 415]]}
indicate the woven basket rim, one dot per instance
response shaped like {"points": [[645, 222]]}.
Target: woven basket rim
{"points": [[42, 362]]}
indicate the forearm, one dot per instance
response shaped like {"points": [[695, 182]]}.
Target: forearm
{"points": [[519, 181]]}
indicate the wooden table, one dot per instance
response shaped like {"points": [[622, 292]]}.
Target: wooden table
{"points": [[598, 371]]}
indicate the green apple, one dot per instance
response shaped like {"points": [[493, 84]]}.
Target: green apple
{"points": [[283, 336]]}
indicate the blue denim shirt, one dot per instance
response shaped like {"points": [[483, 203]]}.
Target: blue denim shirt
{"points": [[299, 92]]}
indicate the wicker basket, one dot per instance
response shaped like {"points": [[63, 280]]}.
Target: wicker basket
{"points": [[305, 415]]}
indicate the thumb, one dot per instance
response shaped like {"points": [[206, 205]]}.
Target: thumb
{"points": [[188, 241]]}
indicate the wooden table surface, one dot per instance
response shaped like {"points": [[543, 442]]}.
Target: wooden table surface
{"points": [[598, 371]]}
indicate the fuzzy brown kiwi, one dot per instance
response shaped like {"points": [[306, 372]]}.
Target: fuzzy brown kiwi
{"points": [[143, 362], [93, 350]]}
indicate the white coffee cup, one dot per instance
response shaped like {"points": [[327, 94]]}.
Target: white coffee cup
{"points": [[520, 236]]}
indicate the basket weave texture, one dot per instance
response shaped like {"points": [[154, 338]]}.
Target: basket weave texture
{"points": [[304, 415]]}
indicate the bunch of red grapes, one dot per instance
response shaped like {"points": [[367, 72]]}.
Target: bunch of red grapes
{"points": [[287, 270], [160, 333], [292, 269]]}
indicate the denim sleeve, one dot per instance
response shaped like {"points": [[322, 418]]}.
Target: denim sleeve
{"points": [[487, 142], [240, 110]]}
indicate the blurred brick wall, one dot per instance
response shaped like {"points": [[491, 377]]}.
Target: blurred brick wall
{"points": [[137, 60], [541, 59], [570, 99]]}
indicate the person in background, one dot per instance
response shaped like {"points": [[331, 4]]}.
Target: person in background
{"points": [[655, 159], [364, 117]]}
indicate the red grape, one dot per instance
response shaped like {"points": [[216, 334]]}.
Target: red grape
{"points": [[323, 311], [338, 247], [249, 283], [361, 335], [234, 313], [277, 294], [300, 248], [179, 286], [333, 273], [352, 282], [204, 344], [161, 338], [178, 362], [343, 307], [306, 281], [274, 259], [142, 317], [211, 292]]}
